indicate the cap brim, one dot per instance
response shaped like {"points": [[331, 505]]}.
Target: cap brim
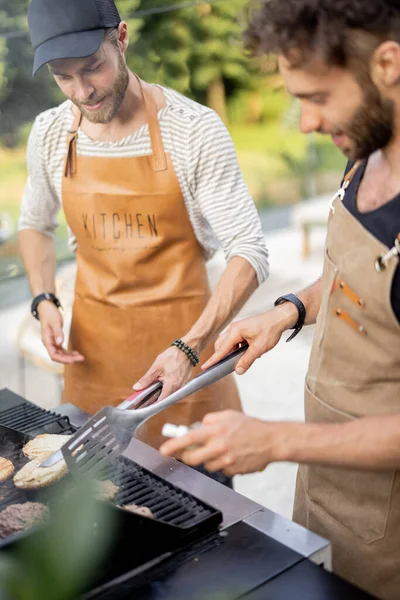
{"points": [[69, 45]]}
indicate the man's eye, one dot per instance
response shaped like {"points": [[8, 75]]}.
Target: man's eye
{"points": [[319, 100], [94, 69]]}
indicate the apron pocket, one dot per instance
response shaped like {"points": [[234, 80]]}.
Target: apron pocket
{"points": [[358, 500], [328, 279]]}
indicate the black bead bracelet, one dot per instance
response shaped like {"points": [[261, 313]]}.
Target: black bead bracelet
{"points": [[191, 354]]}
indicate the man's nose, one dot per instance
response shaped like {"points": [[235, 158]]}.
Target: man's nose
{"points": [[310, 120], [83, 89]]}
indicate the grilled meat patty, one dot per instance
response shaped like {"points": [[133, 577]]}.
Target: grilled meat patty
{"points": [[106, 490], [33, 477], [44, 444], [6, 468], [18, 517]]}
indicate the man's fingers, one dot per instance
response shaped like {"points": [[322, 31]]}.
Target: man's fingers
{"points": [[51, 336], [216, 417], [223, 346], [62, 356], [202, 454], [248, 358], [176, 446], [150, 377], [166, 391], [222, 463]]}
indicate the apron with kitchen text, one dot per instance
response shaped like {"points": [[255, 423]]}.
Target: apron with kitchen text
{"points": [[141, 277], [354, 371]]}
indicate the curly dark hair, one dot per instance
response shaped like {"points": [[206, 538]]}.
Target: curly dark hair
{"points": [[337, 30]]}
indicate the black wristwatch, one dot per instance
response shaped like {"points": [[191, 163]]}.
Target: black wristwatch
{"points": [[38, 299], [301, 309]]}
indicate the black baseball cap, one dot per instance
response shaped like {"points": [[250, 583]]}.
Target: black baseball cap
{"points": [[68, 28]]}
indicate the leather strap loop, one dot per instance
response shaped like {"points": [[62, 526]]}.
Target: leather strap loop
{"points": [[157, 147], [70, 159]]}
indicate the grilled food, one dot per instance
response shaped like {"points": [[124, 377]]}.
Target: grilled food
{"points": [[18, 517], [33, 477], [44, 444], [6, 468], [106, 490], [139, 510]]}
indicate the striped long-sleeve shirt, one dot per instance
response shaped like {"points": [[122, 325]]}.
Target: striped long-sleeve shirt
{"points": [[218, 202]]}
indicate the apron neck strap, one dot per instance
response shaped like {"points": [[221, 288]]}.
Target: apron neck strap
{"points": [[345, 184], [350, 174], [150, 107], [70, 160]]}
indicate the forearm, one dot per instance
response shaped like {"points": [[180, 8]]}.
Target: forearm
{"points": [[237, 284], [39, 257], [370, 443]]}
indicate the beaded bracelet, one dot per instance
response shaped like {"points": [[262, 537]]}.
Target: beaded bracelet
{"points": [[191, 354]]}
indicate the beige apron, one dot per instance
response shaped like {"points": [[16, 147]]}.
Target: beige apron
{"points": [[354, 371], [141, 278]]}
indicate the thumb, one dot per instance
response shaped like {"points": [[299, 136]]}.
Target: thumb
{"points": [[150, 377], [247, 359]]}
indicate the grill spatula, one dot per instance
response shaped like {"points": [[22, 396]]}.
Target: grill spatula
{"points": [[135, 400], [109, 432]]}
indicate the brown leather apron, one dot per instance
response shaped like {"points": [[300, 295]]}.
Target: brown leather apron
{"points": [[354, 371], [141, 278]]}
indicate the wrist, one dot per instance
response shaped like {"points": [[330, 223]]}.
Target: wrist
{"points": [[285, 441], [44, 307], [185, 349], [287, 315], [301, 312], [44, 298], [194, 342]]}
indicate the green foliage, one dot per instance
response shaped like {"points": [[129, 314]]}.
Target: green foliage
{"points": [[21, 96], [58, 563], [191, 49]]}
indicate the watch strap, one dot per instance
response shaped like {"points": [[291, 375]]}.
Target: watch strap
{"points": [[301, 311], [38, 299]]}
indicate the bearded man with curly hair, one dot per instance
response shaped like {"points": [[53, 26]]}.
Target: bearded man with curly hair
{"points": [[341, 59]]}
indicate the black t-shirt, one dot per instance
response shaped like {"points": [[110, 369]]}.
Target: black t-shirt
{"points": [[383, 223]]}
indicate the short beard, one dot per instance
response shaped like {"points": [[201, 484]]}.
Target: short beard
{"points": [[373, 125], [117, 93]]}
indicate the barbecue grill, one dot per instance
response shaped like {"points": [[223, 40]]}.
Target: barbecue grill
{"points": [[204, 542]]}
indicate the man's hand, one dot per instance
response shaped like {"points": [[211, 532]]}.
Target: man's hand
{"points": [[231, 442], [172, 367], [262, 333], [51, 323]]}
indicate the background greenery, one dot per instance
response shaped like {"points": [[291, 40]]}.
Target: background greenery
{"points": [[198, 51]]}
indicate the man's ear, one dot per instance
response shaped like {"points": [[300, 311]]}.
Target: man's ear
{"points": [[123, 36], [385, 65]]}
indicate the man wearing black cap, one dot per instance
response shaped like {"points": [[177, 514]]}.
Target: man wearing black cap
{"points": [[149, 183]]}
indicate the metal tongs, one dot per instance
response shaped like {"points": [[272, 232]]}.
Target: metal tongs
{"points": [[108, 433]]}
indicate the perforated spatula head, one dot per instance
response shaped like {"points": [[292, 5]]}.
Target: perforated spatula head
{"points": [[108, 433], [97, 442]]}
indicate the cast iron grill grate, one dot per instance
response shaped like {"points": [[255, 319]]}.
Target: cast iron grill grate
{"points": [[168, 503], [30, 419]]}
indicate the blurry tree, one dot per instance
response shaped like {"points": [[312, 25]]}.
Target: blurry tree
{"points": [[21, 96], [196, 50]]}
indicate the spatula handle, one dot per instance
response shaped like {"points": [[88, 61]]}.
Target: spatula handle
{"points": [[138, 398]]}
